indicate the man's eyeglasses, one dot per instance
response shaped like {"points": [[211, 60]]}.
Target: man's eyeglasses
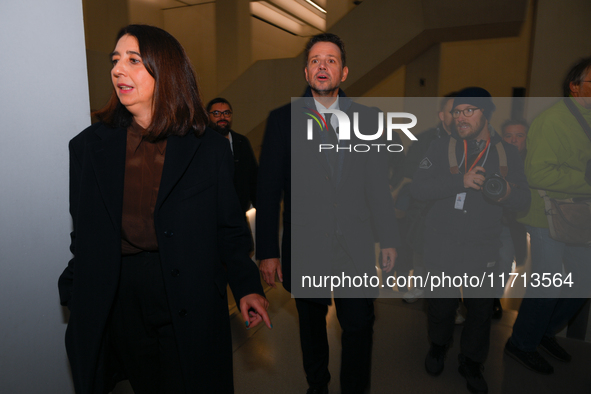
{"points": [[217, 114], [467, 112]]}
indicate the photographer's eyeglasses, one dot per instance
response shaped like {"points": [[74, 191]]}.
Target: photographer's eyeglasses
{"points": [[217, 114], [467, 112]]}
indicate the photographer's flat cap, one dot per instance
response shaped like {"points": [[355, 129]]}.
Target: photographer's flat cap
{"points": [[477, 97]]}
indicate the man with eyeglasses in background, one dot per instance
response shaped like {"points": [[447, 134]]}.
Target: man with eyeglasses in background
{"points": [[463, 228], [245, 164]]}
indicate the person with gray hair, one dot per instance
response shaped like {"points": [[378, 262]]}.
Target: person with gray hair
{"points": [[559, 152]]}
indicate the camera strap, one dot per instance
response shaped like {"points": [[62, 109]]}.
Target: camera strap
{"points": [[577, 114], [503, 167], [453, 162], [477, 159]]}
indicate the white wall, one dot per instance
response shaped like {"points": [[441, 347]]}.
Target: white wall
{"points": [[44, 103]]}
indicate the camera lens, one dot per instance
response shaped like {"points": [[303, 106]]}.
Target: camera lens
{"points": [[494, 187]]}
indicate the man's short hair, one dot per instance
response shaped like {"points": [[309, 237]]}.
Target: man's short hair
{"points": [[576, 75], [218, 100], [514, 122], [325, 37], [446, 99]]}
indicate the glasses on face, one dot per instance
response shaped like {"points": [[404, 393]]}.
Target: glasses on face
{"points": [[217, 114], [467, 112]]}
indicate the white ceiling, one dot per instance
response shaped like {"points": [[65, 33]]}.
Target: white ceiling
{"points": [[306, 18], [163, 4]]}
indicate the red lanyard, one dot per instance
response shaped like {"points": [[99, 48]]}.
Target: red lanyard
{"points": [[478, 158]]}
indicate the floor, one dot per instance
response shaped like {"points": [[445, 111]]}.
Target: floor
{"points": [[269, 360]]}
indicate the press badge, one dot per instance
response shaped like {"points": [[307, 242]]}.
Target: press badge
{"points": [[460, 198]]}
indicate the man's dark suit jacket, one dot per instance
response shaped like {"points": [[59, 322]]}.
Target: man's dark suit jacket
{"points": [[198, 225], [245, 171], [322, 204]]}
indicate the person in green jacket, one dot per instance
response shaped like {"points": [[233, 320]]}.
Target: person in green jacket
{"points": [[558, 153]]}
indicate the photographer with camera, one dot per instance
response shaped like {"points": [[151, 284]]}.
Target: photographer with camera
{"points": [[468, 177]]}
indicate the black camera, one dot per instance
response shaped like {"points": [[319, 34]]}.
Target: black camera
{"points": [[494, 187]]}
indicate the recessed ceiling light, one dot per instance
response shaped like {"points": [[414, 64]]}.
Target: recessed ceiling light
{"points": [[316, 5]]}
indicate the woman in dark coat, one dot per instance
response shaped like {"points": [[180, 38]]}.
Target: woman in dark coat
{"points": [[157, 233]]}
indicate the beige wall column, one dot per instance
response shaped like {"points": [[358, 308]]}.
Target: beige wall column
{"points": [[561, 37], [422, 74], [145, 12], [233, 40], [336, 10], [102, 21], [422, 80]]}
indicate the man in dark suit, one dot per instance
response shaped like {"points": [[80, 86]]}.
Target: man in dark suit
{"points": [[338, 196], [245, 164]]}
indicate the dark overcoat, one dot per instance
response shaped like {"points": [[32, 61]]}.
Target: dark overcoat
{"points": [[319, 201], [245, 171], [199, 226]]}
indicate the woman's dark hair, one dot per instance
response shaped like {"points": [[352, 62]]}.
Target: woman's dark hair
{"points": [[177, 105], [576, 75]]}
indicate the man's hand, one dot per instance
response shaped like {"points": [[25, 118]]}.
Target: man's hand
{"points": [[253, 308], [474, 180], [268, 268], [388, 259]]}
